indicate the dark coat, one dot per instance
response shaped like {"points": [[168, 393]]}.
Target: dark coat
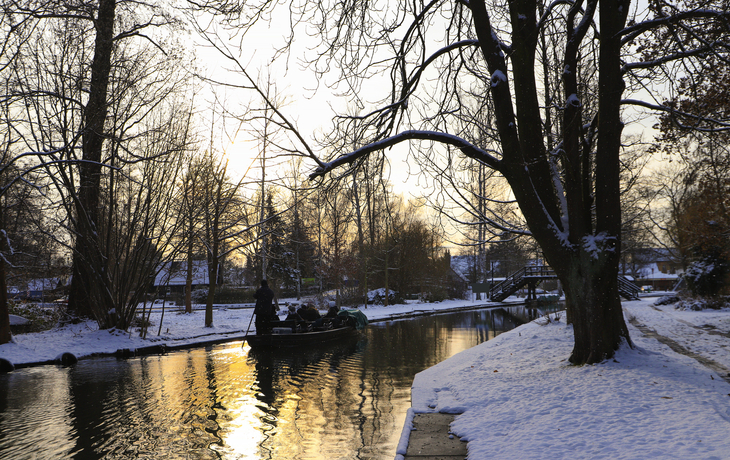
{"points": [[309, 313], [264, 303]]}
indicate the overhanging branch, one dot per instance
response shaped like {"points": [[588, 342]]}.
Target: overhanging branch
{"points": [[466, 148]]}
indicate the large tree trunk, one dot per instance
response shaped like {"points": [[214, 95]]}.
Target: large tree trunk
{"points": [[87, 259], [594, 307], [579, 227]]}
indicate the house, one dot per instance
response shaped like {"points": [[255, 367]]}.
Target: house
{"points": [[655, 267], [38, 289], [173, 276]]}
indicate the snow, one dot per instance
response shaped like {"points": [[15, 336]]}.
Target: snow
{"points": [[178, 329], [498, 77], [516, 395], [573, 100], [595, 244], [519, 398], [652, 271]]}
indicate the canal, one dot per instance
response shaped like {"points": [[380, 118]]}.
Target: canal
{"points": [[346, 401]]}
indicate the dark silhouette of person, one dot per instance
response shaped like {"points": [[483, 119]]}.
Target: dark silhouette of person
{"points": [[333, 311], [309, 313], [265, 311], [293, 315]]}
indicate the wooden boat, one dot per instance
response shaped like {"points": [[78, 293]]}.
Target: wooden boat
{"points": [[284, 337], [287, 334]]}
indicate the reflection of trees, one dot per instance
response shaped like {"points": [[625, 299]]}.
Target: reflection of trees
{"points": [[35, 419], [302, 395], [215, 405], [518, 315], [327, 398], [325, 402]]}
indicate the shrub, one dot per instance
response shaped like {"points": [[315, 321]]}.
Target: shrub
{"points": [[42, 317], [377, 297], [703, 303], [705, 277], [667, 300], [435, 295]]}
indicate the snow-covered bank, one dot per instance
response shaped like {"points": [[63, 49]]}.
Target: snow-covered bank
{"points": [[517, 395], [519, 398], [178, 330]]}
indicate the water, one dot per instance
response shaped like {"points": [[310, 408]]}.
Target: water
{"points": [[346, 401]]}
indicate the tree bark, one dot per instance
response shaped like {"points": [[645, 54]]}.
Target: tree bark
{"points": [[581, 241], [87, 258], [5, 334], [189, 276], [594, 306]]}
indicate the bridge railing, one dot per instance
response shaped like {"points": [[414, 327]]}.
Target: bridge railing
{"points": [[628, 289], [499, 292], [542, 271], [507, 284], [517, 279]]}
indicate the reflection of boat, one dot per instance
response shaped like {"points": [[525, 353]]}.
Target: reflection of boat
{"points": [[284, 337]]}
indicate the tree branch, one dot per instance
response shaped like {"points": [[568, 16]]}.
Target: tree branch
{"points": [[466, 148]]}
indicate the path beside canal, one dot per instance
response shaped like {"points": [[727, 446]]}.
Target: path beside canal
{"points": [[516, 396]]}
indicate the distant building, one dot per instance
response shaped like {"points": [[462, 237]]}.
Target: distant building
{"points": [[173, 276], [655, 267], [38, 289]]}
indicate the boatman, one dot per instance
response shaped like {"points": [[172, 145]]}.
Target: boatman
{"points": [[264, 311]]}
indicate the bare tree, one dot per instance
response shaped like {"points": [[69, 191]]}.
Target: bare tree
{"points": [[97, 104], [565, 180], [189, 210], [224, 219]]}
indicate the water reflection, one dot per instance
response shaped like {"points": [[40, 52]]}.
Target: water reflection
{"points": [[338, 402]]}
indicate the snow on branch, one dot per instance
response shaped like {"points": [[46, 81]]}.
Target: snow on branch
{"points": [[466, 148], [720, 125], [631, 32], [701, 51]]}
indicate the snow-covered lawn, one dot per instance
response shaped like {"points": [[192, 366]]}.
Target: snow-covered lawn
{"points": [[519, 398], [517, 395]]}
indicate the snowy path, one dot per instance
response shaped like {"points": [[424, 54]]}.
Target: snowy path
{"points": [[518, 397], [704, 336]]}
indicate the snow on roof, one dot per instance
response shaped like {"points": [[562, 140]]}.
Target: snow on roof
{"points": [[651, 272], [177, 272]]}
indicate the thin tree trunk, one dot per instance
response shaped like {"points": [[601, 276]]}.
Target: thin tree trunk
{"points": [[212, 283], [189, 277], [5, 334]]}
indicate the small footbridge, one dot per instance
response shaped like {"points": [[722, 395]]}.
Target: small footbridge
{"points": [[532, 275]]}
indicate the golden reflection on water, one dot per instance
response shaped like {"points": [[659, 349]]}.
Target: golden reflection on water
{"points": [[347, 401], [241, 431]]}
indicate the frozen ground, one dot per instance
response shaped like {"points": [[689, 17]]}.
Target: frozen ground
{"points": [[519, 398]]}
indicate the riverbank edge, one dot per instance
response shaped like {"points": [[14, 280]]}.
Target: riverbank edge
{"points": [[165, 347]]}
